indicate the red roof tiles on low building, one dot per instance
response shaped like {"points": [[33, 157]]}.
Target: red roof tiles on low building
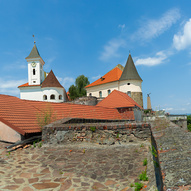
{"points": [[117, 99], [21, 115]]}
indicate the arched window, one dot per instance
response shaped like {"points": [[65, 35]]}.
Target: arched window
{"points": [[34, 72], [100, 93], [90, 94], [60, 97], [108, 92], [44, 97], [52, 96], [129, 93]]}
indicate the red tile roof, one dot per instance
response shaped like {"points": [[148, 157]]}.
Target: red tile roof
{"points": [[26, 85], [21, 115], [117, 99], [111, 76]]}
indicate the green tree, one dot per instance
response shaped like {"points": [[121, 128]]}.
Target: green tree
{"points": [[78, 89], [189, 122]]}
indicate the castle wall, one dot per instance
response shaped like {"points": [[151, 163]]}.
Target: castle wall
{"points": [[137, 97]]}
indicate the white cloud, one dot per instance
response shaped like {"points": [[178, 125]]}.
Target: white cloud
{"points": [[152, 61], [169, 109], [66, 82], [111, 49], [121, 26], [183, 40], [153, 28], [96, 77], [19, 64], [10, 86]]}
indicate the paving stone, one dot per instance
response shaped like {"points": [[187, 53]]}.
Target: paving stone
{"points": [[18, 180], [109, 182], [33, 180], [66, 185], [27, 189], [25, 175], [40, 186], [101, 167], [11, 187]]}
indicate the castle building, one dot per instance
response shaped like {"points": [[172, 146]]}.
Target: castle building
{"points": [[125, 79], [41, 86]]}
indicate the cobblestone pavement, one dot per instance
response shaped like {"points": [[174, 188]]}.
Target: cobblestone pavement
{"points": [[79, 167], [174, 156]]}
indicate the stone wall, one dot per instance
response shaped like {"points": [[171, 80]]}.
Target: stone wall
{"points": [[101, 133], [89, 100], [137, 97]]}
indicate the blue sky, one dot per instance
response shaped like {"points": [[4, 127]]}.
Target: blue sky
{"points": [[91, 37]]}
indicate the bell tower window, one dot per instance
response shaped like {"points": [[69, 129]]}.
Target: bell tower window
{"points": [[34, 72]]}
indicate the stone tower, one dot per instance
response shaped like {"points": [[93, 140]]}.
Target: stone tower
{"points": [[130, 82]]}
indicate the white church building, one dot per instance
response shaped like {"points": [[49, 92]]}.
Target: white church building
{"points": [[125, 79], [41, 86]]}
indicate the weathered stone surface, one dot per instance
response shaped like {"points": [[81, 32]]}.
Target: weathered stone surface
{"points": [[174, 152], [11, 187], [81, 166], [18, 180], [40, 186], [27, 189], [66, 185]]}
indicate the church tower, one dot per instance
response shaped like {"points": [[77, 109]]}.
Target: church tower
{"points": [[35, 67], [41, 87], [130, 82]]}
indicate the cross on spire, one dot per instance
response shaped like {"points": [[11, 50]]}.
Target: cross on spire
{"points": [[34, 38]]}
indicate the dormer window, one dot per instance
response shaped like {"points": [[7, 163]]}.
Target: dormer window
{"points": [[102, 78], [34, 72]]}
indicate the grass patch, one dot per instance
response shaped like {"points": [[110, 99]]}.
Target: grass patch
{"points": [[145, 162], [143, 176]]}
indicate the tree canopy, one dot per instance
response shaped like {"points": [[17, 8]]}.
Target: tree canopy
{"points": [[78, 89]]}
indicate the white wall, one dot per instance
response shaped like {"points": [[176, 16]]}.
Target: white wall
{"points": [[31, 93], [36, 93], [39, 76], [103, 87], [135, 86], [8, 134], [56, 92]]}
